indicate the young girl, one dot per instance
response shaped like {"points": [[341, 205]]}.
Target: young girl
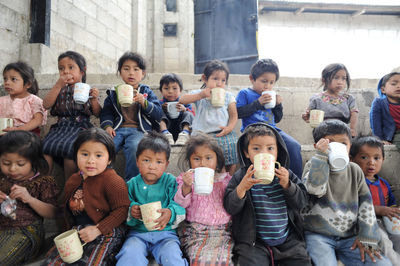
{"points": [[22, 166], [72, 117], [96, 200], [218, 122], [335, 100], [21, 104], [206, 237]]}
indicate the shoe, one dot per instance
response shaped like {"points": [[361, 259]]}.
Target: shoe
{"points": [[170, 138], [182, 138]]}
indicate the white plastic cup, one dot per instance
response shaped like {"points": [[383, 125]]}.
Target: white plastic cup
{"points": [[150, 213], [5, 123], [69, 246], [218, 97], [81, 92], [338, 156], [272, 103], [203, 180], [264, 164], [125, 95], [316, 117], [393, 226], [172, 111]]}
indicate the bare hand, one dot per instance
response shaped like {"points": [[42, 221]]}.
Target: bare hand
{"points": [[164, 106], [371, 253], [390, 212], [283, 174], [247, 182], [279, 99], [322, 145], [265, 98], [94, 93], [63, 80], [89, 233], [111, 132], [10, 129], [163, 220], [205, 93], [21, 193], [385, 142], [224, 131], [3, 196], [135, 212], [306, 116], [139, 98], [180, 107], [187, 178]]}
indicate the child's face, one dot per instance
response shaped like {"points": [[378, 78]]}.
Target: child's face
{"points": [[217, 79], [261, 144], [341, 138], [92, 158], [392, 89], [203, 156], [265, 82], [16, 166], [131, 73], [370, 160], [151, 165], [67, 66], [338, 82], [14, 84], [171, 91]]}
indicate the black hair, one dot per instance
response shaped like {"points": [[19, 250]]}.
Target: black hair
{"points": [[201, 139], [97, 135], [371, 141], [329, 72], [136, 57], [27, 73], [155, 142], [264, 66], [386, 78], [79, 60], [255, 131], [171, 78], [215, 65], [27, 145], [331, 127]]}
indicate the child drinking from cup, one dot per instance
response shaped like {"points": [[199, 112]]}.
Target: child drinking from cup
{"points": [[72, 117], [218, 121], [27, 196], [175, 123], [149, 235], [96, 200], [21, 104], [206, 236], [266, 223], [127, 123]]}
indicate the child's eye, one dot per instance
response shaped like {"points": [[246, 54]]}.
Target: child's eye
{"points": [[84, 154], [159, 162], [14, 79], [196, 159], [5, 163], [271, 148], [363, 157], [377, 158], [21, 164], [99, 155], [208, 157]]}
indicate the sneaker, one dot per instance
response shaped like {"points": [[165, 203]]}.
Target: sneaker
{"points": [[182, 138], [170, 138]]}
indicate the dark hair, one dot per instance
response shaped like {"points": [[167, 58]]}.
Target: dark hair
{"points": [[201, 139], [255, 131], [386, 78], [79, 60], [330, 127], [97, 135], [27, 74], [329, 72], [371, 141], [264, 66], [155, 142], [136, 57], [27, 145], [215, 65], [171, 78]]}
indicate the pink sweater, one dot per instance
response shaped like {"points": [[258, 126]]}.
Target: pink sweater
{"points": [[205, 209]]}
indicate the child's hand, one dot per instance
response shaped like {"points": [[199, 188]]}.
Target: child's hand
{"points": [[283, 174], [388, 211], [163, 220], [265, 98], [205, 93], [278, 99], [164, 106], [3, 196], [371, 253], [135, 212], [63, 80], [322, 145], [187, 178], [139, 98], [385, 142], [89, 233], [111, 132], [224, 131], [247, 182], [306, 116], [94, 93], [8, 129], [180, 107], [21, 193]]}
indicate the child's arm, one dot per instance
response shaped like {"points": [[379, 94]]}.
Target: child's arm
{"points": [[353, 123], [245, 109], [233, 118], [51, 97], [376, 118], [191, 98], [94, 101], [278, 112], [387, 211], [184, 194], [311, 106], [151, 105], [295, 192], [107, 117]]}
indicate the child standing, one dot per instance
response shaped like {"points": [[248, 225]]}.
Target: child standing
{"points": [[266, 227], [96, 200], [206, 236], [334, 101], [176, 129], [21, 104], [250, 107], [72, 117], [218, 122], [153, 184], [339, 217], [127, 125], [22, 166]]}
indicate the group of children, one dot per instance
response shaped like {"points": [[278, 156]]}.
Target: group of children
{"points": [[318, 215]]}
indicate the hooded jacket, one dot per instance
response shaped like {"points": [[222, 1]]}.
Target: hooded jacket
{"points": [[242, 210]]}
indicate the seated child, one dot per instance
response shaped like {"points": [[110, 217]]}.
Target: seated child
{"points": [[368, 153], [153, 184], [266, 223], [339, 217], [206, 218], [177, 130]]}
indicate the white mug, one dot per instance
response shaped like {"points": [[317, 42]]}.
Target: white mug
{"points": [[172, 111], [393, 226], [150, 213], [5, 123], [203, 180], [81, 92], [218, 97], [264, 164], [316, 117], [125, 94], [69, 246], [338, 156], [272, 103]]}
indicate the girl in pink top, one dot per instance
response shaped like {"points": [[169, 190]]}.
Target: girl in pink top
{"points": [[206, 234], [21, 104]]}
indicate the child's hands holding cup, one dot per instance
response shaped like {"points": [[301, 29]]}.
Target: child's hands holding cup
{"points": [[306, 116], [94, 94], [247, 182], [187, 178], [163, 220], [264, 99], [89, 233], [390, 212], [283, 174], [139, 98], [322, 145], [135, 212], [205, 93]]}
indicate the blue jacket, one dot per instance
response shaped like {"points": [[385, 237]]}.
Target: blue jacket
{"points": [[148, 118]]}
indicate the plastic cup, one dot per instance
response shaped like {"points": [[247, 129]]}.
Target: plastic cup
{"points": [[81, 92], [393, 226], [272, 103], [125, 95], [203, 180], [316, 117], [150, 213], [218, 97], [264, 164], [69, 246], [172, 111], [338, 156], [5, 123]]}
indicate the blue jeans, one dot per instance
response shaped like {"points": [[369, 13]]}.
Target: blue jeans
{"points": [[294, 150], [163, 245], [128, 138], [323, 250]]}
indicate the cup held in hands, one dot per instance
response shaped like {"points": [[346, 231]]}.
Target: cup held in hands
{"points": [[5, 123], [125, 94], [264, 164], [172, 111], [203, 180], [150, 213], [69, 246], [81, 92], [392, 226], [218, 97], [338, 156], [316, 117], [272, 103]]}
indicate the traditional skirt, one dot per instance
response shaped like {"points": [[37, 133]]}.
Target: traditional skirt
{"points": [[207, 245], [228, 146]]}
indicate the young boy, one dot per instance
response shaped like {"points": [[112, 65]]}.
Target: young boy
{"points": [[126, 125], [250, 107], [368, 153], [153, 184], [266, 224], [339, 217], [176, 129]]}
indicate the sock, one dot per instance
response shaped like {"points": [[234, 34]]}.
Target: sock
{"points": [[185, 131], [165, 131]]}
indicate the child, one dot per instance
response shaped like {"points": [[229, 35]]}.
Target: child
{"points": [[96, 200], [250, 107], [72, 117], [177, 130], [339, 217], [368, 153], [22, 164], [385, 110], [206, 237], [126, 125], [334, 101], [153, 184], [266, 224], [218, 122], [21, 104]]}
